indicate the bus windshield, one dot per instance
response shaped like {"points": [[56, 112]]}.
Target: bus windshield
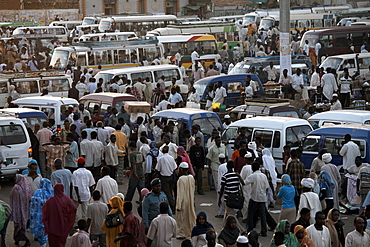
{"points": [[332, 62], [266, 24], [59, 59], [248, 20], [104, 26], [88, 21], [312, 39]]}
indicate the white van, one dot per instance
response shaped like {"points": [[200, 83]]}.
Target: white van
{"points": [[33, 83], [70, 25], [101, 37], [58, 32], [275, 132], [15, 146], [340, 62], [341, 117], [53, 107], [154, 73]]}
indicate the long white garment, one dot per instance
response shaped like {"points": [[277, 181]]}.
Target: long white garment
{"points": [[269, 164], [245, 172], [315, 79], [329, 85], [185, 212], [320, 238], [335, 177], [311, 201], [349, 151]]}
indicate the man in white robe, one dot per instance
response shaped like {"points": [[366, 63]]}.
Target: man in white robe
{"points": [[349, 151], [185, 212], [329, 84], [309, 199], [334, 174], [222, 169], [245, 172], [318, 232]]}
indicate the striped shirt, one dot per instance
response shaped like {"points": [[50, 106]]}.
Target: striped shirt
{"points": [[231, 183]]}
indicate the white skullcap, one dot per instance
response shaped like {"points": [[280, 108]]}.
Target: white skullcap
{"points": [[308, 183], [184, 165], [326, 157], [227, 116], [242, 240], [222, 156], [335, 95], [248, 155]]}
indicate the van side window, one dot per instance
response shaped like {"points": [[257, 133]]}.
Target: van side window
{"points": [[57, 85], [26, 87], [276, 142], [333, 145], [12, 134], [168, 74], [3, 87], [142, 75], [266, 137], [234, 87]]}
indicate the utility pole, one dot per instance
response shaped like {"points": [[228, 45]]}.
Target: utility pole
{"points": [[285, 50]]}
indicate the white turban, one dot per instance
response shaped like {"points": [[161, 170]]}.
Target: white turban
{"points": [[326, 157], [308, 183]]}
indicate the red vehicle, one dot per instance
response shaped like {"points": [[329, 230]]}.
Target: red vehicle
{"points": [[338, 40]]}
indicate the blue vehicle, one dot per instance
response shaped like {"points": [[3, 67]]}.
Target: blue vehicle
{"points": [[234, 85], [27, 115], [332, 138], [187, 117]]}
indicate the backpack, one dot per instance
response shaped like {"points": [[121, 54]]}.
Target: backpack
{"points": [[154, 153], [2, 216]]}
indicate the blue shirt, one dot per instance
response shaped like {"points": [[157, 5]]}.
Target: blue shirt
{"points": [[63, 176], [175, 98], [287, 193], [72, 155], [151, 207]]}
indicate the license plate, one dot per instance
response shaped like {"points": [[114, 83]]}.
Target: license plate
{"points": [[9, 161]]}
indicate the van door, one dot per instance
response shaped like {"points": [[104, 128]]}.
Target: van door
{"points": [[310, 149], [233, 89]]}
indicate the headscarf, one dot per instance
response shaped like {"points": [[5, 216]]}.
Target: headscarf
{"points": [[328, 182], [37, 202], [285, 179], [185, 158], [144, 192], [117, 204], [269, 164], [329, 223], [326, 157], [289, 239], [308, 183], [305, 241], [201, 228], [229, 235], [58, 213], [20, 197], [315, 178], [253, 146]]}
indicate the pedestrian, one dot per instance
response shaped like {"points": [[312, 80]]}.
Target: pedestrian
{"points": [[185, 211], [82, 181], [349, 151], [358, 238], [229, 233], [245, 172], [172, 147], [286, 81], [151, 203], [58, 217], [220, 94], [116, 203], [195, 131], [317, 162], [304, 219], [318, 232], [63, 176], [259, 185], [166, 167], [182, 156], [81, 238], [131, 227], [211, 238], [32, 177], [151, 162], [327, 190], [335, 103], [43, 136], [54, 150], [309, 199], [345, 89], [213, 158], [113, 120], [289, 238], [37, 202], [20, 197], [198, 158], [95, 214], [98, 154], [301, 234], [287, 193], [137, 175], [162, 228], [111, 157], [106, 185], [198, 234], [334, 175], [296, 172], [269, 163], [5, 214], [329, 84], [333, 223], [363, 184]]}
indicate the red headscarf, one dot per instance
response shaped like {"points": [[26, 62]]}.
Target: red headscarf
{"points": [[185, 158], [58, 213]]}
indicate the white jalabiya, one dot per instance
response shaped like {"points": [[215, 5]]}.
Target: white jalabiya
{"points": [[320, 238], [311, 201], [245, 172], [269, 164]]}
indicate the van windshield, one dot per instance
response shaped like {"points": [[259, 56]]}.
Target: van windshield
{"points": [[332, 62], [200, 88], [12, 134], [207, 125], [295, 134]]}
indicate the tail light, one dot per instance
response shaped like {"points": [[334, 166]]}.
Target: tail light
{"points": [[58, 128], [30, 152]]}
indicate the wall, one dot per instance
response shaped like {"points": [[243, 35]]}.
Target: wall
{"points": [[39, 15], [10, 4]]}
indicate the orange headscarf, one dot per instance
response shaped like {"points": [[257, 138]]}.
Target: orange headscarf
{"points": [[111, 233], [305, 241]]}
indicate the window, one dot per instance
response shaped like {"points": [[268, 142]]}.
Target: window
{"points": [[234, 87], [26, 87], [101, 57], [50, 112], [295, 134], [266, 137], [311, 144], [333, 145], [3, 87], [142, 75], [92, 104], [33, 120], [121, 56], [230, 134], [276, 141], [286, 114], [12, 134], [341, 40], [168, 74], [81, 59], [207, 125], [55, 85]]}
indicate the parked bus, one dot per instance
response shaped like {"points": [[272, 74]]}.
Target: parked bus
{"points": [[58, 32], [136, 24], [107, 54], [299, 21], [102, 37], [70, 25], [33, 83], [338, 40], [90, 20], [331, 9], [205, 44]]}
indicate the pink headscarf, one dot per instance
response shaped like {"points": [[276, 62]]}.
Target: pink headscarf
{"points": [[144, 192], [20, 197], [185, 158]]}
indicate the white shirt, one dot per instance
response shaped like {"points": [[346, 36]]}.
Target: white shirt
{"points": [[349, 151], [111, 157], [220, 95], [317, 48], [271, 72], [172, 149], [355, 239], [82, 89], [222, 169], [162, 105], [329, 85], [166, 165], [259, 185], [320, 238], [108, 188], [83, 180], [248, 92], [162, 229], [297, 81], [87, 150], [157, 132], [177, 58], [194, 56], [315, 79], [103, 136], [336, 106], [306, 49], [140, 88], [98, 152]]}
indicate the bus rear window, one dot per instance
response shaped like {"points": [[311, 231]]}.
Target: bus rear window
{"points": [[12, 134]]}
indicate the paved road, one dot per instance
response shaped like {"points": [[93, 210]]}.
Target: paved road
{"points": [[209, 197]]}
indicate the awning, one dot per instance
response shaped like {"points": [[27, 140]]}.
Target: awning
{"points": [[196, 7]]}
